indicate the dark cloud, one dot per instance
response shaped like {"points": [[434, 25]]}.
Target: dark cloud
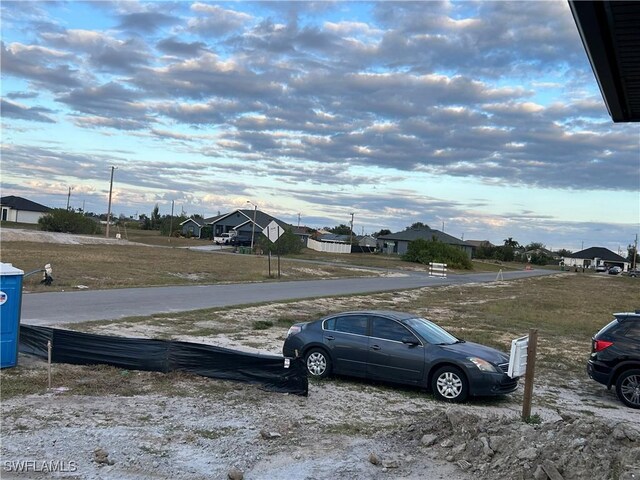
{"points": [[22, 112], [24, 95], [173, 46], [43, 66], [146, 22]]}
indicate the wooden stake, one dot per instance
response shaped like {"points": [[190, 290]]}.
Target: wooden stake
{"points": [[49, 362], [528, 376]]}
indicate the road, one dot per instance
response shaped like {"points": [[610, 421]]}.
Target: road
{"points": [[79, 306]]}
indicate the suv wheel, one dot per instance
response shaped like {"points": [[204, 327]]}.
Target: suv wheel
{"points": [[628, 388]]}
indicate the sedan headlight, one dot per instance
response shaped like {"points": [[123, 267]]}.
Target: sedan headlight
{"points": [[293, 330], [483, 365]]}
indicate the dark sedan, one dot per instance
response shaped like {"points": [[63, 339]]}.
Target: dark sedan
{"points": [[401, 348]]}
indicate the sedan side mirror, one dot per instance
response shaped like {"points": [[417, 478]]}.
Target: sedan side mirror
{"points": [[412, 341]]}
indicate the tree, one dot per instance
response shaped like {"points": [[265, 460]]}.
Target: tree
{"points": [[563, 252], [67, 221], [427, 251], [417, 226], [384, 231], [534, 246], [341, 229], [510, 242], [155, 218], [288, 243], [631, 253]]}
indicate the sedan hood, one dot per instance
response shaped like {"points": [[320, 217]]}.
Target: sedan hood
{"points": [[470, 349]]}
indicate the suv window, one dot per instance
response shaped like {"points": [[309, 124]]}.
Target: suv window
{"points": [[633, 330], [389, 330], [356, 324]]}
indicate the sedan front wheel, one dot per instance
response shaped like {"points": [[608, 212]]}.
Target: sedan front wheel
{"points": [[450, 384], [318, 363]]}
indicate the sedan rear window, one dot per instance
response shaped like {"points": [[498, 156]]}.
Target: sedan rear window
{"points": [[356, 324], [431, 332]]}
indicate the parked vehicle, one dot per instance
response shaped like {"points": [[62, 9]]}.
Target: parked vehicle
{"points": [[615, 357], [615, 270], [634, 272], [601, 268], [225, 238], [401, 348], [241, 241]]}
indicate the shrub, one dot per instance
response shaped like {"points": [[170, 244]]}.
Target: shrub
{"points": [[428, 251], [62, 220]]}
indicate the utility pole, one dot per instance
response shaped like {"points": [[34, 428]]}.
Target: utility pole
{"points": [[298, 220], [68, 198], [253, 226], [635, 253], [351, 233], [171, 220], [109, 208]]}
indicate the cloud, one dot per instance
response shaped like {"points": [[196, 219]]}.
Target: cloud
{"points": [[173, 46], [146, 22], [21, 112], [213, 21]]}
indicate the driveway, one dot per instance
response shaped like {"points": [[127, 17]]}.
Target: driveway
{"points": [[71, 307]]}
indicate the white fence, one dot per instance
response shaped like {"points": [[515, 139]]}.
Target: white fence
{"points": [[438, 270], [328, 247]]}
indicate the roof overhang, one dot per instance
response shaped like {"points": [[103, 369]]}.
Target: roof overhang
{"points": [[610, 32]]}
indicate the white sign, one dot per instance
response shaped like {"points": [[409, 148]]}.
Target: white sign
{"points": [[518, 357], [273, 231]]}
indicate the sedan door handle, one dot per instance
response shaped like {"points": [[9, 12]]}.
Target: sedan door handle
{"points": [[329, 337], [375, 347]]}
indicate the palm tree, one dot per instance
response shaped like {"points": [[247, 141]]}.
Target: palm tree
{"points": [[510, 242]]}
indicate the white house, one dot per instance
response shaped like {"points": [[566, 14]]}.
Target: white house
{"points": [[18, 209]]}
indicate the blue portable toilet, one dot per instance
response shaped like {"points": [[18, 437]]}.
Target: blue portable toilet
{"points": [[10, 304]]}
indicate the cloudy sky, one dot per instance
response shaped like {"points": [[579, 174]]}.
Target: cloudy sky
{"points": [[484, 117]]}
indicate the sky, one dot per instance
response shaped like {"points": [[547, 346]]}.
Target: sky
{"points": [[480, 118]]}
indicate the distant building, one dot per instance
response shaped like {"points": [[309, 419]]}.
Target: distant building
{"points": [[397, 243], [21, 210], [595, 257]]}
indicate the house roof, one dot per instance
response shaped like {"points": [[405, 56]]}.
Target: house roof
{"points": [[480, 243], [19, 203], [598, 252], [424, 233], [332, 237], [246, 216], [611, 39], [191, 219]]}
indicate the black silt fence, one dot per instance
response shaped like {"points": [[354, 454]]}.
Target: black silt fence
{"points": [[268, 371]]}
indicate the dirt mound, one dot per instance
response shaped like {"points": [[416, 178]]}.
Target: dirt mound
{"points": [[574, 447]]}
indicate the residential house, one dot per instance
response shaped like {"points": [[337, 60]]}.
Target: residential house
{"points": [[594, 257], [304, 233], [242, 221], [18, 209], [193, 226], [479, 245], [397, 243]]}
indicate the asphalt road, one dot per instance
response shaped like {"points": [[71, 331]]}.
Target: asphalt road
{"points": [[80, 306]]}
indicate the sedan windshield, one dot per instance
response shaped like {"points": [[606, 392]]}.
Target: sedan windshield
{"points": [[431, 332]]}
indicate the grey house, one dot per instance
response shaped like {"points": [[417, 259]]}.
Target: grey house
{"points": [[397, 243], [242, 222], [18, 209], [193, 226], [594, 257]]}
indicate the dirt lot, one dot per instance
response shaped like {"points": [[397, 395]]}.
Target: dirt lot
{"points": [[102, 422]]}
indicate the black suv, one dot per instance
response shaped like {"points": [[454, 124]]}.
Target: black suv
{"points": [[615, 357]]}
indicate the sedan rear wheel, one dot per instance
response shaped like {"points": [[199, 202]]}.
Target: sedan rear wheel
{"points": [[450, 384], [318, 363], [628, 388]]}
